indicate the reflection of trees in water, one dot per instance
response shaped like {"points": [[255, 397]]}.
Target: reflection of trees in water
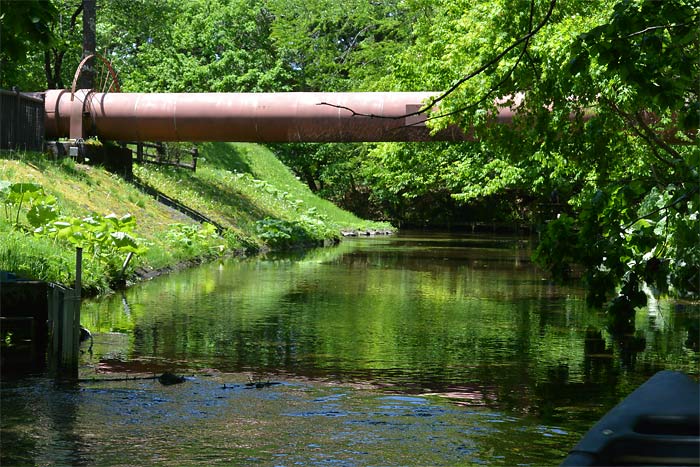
{"points": [[46, 424], [413, 324], [17, 445], [693, 340]]}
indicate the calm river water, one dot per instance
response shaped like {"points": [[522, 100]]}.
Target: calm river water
{"points": [[415, 349]]}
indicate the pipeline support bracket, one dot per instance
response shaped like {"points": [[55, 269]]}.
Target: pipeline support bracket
{"points": [[77, 109]]}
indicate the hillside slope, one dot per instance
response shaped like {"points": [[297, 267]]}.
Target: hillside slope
{"points": [[241, 187]]}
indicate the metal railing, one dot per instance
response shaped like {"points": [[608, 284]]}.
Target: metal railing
{"points": [[159, 153], [21, 121]]}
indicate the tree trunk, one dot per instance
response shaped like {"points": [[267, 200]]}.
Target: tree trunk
{"points": [[53, 65], [87, 77]]}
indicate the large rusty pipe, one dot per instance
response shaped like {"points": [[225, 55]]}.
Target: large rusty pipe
{"points": [[261, 117], [251, 117]]}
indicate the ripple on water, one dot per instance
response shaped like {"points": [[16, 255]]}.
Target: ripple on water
{"points": [[210, 421]]}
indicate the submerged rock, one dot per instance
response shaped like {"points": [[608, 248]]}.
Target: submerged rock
{"points": [[261, 384], [168, 379], [365, 233]]}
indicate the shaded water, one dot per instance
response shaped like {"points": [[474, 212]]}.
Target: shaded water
{"points": [[407, 350]]}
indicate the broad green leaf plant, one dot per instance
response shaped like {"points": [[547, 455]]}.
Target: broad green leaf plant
{"points": [[106, 239]]}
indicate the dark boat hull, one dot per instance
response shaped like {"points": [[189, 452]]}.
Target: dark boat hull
{"points": [[658, 424]]}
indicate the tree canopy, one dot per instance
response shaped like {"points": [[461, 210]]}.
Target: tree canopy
{"points": [[25, 25], [606, 86]]}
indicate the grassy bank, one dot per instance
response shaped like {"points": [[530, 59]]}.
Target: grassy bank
{"points": [[58, 205]]}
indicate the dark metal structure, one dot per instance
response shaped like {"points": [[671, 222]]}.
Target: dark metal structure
{"points": [[21, 121]]}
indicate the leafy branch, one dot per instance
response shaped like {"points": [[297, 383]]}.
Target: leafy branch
{"points": [[641, 129], [457, 84], [678, 200]]}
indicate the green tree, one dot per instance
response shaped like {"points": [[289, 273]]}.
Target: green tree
{"points": [[125, 27], [337, 46], [25, 27], [631, 193], [209, 46], [61, 59]]}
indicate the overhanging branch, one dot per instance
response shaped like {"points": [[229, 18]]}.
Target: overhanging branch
{"points": [[678, 200], [641, 129], [495, 87], [434, 101]]}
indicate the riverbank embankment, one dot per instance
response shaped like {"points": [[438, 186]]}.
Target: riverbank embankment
{"points": [[255, 203]]}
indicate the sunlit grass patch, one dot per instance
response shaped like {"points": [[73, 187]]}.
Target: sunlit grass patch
{"points": [[242, 187], [246, 183]]}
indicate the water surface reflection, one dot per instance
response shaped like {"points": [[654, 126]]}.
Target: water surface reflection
{"points": [[408, 312], [476, 357]]}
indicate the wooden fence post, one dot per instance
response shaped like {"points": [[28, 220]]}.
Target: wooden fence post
{"points": [[78, 272], [54, 325], [64, 325]]}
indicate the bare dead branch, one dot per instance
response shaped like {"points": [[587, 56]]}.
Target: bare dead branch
{"points": [[353, 43], [495, 87], [488, 94], [497, 58], [359, 114]]}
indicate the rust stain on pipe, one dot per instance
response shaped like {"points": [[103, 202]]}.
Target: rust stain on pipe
{"points": [[250, 117]]}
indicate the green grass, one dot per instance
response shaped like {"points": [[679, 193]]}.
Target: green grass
{"points": [[241, 186], [261, 164], [81, 190]]}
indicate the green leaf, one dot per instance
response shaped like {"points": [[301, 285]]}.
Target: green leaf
{"points": [[126, 243], [42, 214]]}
